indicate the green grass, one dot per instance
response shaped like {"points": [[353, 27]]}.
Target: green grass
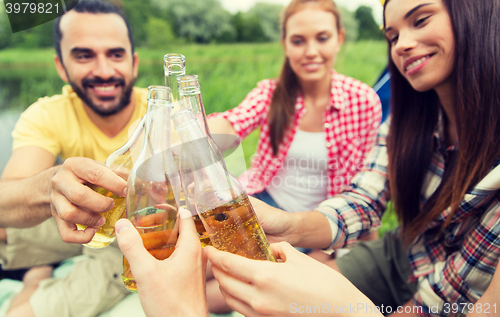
{"points": [[389, 220], [227, 73]]}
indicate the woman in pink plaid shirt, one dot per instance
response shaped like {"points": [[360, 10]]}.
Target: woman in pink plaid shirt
{"points": [[316, 125]]}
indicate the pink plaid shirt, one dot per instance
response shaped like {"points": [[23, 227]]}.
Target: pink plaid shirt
{"points": [[351, 122]]}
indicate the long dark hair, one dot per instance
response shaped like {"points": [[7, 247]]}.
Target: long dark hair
{"points": [[414, 116], [282, 106]]}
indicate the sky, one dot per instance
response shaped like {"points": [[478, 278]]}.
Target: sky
{"points": [[234, 6]]}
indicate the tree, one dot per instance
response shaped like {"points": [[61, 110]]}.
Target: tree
{"points": [[368, 28], [268, 16], [248, 28], [199, 21], [5, 30], [350, 24], [138, 13], [159, 33]]}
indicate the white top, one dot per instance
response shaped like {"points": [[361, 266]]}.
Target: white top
{"points": [[301, 184]]}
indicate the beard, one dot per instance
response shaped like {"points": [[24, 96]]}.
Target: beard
{"points": [[123, 102]]}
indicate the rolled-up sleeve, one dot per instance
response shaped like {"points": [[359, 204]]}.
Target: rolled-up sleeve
{"points": [[250, 113], [355, 211]]}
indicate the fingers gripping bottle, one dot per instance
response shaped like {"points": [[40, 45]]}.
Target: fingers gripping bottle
{"points": [[120, 162], [153, 185]]}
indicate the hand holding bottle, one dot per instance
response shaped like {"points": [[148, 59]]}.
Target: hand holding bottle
{"points": [[72, 201], [174, 286], [264, 288], [308, 229], [276, 223]]}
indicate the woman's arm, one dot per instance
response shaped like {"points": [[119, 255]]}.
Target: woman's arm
{"points": [[341, 220], [219, 125], [223, 133], [302, 229], [464, 273], [247, 116]]}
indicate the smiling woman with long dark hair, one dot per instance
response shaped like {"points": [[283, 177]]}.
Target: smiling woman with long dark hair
{"points": [[469, 97], [437, 159]]}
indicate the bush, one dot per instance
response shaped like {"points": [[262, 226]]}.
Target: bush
{"points": [[199, 21], [248, 28], [159, 33], [350, 24], [368, 28], [268, 16]]}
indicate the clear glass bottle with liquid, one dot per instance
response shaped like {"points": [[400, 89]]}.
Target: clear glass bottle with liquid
{"points": [[220, 201], [153, 186], [120, 161], [190, 98]]}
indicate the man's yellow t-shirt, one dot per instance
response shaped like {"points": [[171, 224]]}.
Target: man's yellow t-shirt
{"points": [[60, 125]]}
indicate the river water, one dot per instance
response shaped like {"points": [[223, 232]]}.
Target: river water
{"points": [[7, 121]]}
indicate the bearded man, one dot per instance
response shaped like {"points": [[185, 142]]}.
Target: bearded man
{"points": [[83, 125]]}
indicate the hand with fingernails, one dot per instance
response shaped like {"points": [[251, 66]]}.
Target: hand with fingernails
{"points": [[73, 202], [174, 286]]}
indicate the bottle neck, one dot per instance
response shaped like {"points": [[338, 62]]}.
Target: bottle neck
{"points": [[126, 149], [213, 182], [195, 104], [195, 143], [171, 82], [187, 126]]}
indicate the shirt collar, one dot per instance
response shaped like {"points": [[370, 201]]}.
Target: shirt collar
{"points": [[337, 99], [439, 136]]}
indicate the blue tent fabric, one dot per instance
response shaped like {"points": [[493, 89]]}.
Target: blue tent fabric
{"points": [[383, 89]]}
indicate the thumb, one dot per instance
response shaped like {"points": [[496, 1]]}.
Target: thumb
{"points": [[284, 251], [130, 243]]}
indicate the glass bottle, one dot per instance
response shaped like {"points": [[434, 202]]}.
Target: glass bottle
{"points": [[220, 201], [190, 93], [190, 98], [174, 65], [120, 161], [153, 186]]}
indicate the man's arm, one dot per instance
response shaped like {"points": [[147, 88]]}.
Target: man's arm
{"points": [[31, 190], [25, 188]]}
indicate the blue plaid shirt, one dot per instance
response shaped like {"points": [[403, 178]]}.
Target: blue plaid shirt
{"points": [[451, 266]]}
